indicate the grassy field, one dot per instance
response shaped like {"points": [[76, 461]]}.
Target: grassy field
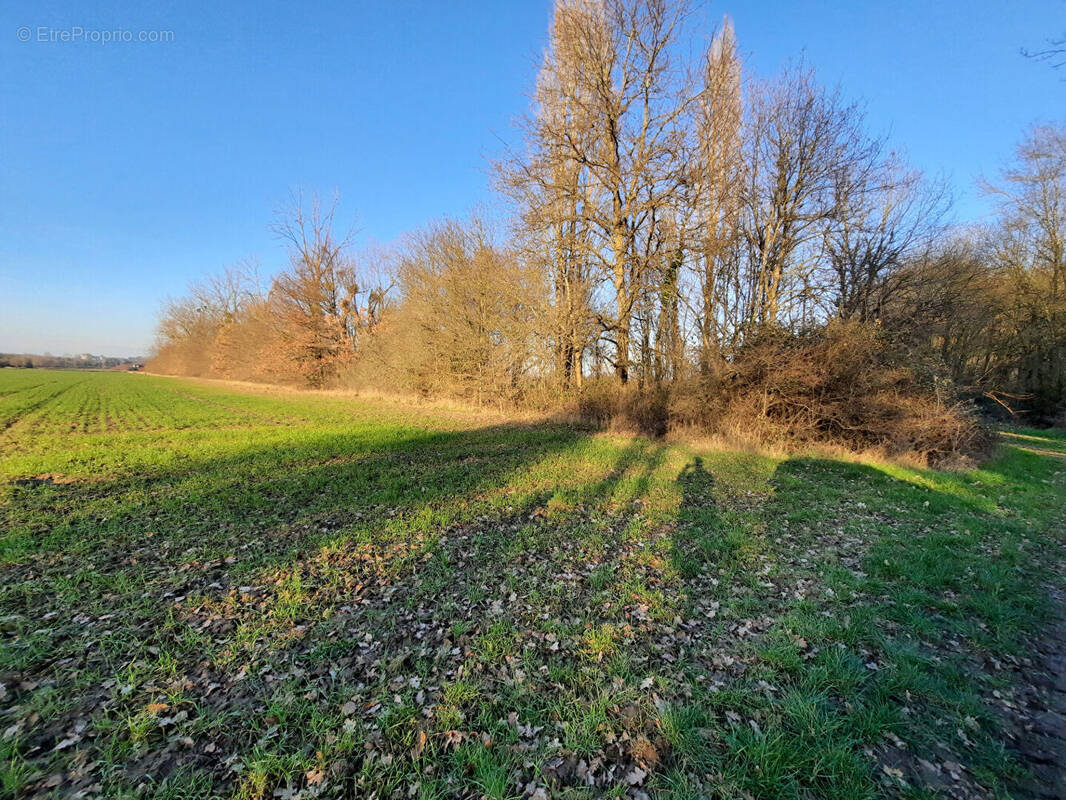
{"points": [[215, 591]]}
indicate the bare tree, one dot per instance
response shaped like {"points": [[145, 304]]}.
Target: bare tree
{"points": [[885, 216], [610, 69], [718, 180], [803, 141], [317, 296], [1032, 203], [227, 293], [552, 189], [470, 320], [1029, 245], [189, 328]]}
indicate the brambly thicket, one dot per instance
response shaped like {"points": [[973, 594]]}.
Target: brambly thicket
{"points": [[688, 245]]}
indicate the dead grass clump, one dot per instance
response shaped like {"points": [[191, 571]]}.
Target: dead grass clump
{"points": [[628, 409]]}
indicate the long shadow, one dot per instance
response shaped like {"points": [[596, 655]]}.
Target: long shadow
{"points": [[697, 538], [697, 492], [334, 537], [936, 582], [349, 566], [211, 500], [896, 599], [215, 522], [937, 544]]}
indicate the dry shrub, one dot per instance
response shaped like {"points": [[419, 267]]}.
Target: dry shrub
{"points": [[940, 434], [629, 409], [844, 383]]}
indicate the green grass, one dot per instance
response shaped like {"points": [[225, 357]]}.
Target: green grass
{"points": [[213, 591]]}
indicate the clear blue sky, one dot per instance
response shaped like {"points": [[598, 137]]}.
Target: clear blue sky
{"points": [[129, 169]]}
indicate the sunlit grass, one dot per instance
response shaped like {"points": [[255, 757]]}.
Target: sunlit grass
{"points": [[350, 594]]}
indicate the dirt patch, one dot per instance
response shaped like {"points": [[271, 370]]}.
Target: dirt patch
{"points": [[1040, 722], [1030, 709]]}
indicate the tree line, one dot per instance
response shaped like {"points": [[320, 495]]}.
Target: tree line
{"points": [[84, 361], [689, 244]]}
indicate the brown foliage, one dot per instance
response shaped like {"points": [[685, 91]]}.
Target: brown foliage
{"points": [[844, 383], [629, 409], [468, 326]]}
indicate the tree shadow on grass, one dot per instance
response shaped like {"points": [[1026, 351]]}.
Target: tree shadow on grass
{"points": [[449, 608], [697, 537], [266, 487], [898, 597], [326, 568]]}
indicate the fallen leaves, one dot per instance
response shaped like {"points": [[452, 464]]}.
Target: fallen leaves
{"points": [[420, 743], [422, 627]]}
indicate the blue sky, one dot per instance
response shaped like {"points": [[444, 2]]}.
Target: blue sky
{"points": [[128, 169]]}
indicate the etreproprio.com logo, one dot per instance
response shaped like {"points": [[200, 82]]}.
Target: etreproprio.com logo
{"points": [[76, 34]]}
